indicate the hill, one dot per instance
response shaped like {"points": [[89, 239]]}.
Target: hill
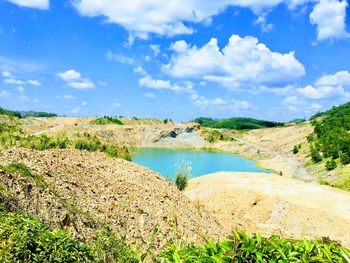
{"points": [[236, 123], [24, 114]]}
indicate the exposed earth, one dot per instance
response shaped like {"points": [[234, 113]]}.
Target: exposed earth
{"points": [[270, 204]]}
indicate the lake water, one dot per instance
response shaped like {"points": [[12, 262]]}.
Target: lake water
{"points": [[165, 160]]}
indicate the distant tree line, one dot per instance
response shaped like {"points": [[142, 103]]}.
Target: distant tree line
{"points": [[25, 114], [236, 123]]}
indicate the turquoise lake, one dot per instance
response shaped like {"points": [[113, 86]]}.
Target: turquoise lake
{"points": [[165, 160]]}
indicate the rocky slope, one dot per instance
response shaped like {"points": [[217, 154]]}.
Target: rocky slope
{"points": [[82, 192]]}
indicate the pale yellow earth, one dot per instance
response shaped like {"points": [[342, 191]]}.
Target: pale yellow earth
{"points": [[272, 204]]}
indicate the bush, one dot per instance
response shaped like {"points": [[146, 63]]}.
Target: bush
{"points": [[106, 120], [25, 239], [214, 136], [330, 165], [315, 155], [345, 158], [295, 149], [183, 172]]}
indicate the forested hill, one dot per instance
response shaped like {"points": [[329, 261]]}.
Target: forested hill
{"points": [[331, 137], [236, 123], [24, 114]]}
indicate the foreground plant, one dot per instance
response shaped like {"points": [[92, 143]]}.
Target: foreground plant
{"points": [[183, 172], [239, 247]]}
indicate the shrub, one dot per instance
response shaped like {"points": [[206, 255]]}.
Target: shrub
{"points": [[345, 158], [106, 120], [25, 239], [183, 172], [214, 136], [295, 149], [315, 155], [330, 165]]}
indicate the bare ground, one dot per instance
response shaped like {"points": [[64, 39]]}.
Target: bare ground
{"points": [[271, 204]]}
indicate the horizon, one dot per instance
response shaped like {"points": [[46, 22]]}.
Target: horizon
{"points": [[276, 60]]}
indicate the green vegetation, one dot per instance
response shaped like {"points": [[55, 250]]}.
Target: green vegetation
{"points": [[295, 149], [238, 247], [331, 138], [215, 135], [236, 123], [106, 120], [12, 136], [183, 173], [330, 165], [24, 114]]}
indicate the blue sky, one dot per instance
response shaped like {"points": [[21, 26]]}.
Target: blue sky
{"points": [[271, 59]]}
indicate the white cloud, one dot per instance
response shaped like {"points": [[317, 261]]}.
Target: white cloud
{"points": [[168, 18], [34, 82], [243, 62], [261, 20], [119, 58], [7, 74], [20, 88], [158, 84], [298, 105], [329, 16], [13, 81], [341, 78], [4, 93], [323, 92], [40, 4], [140, 70], [328, 86], [84, 103], [291, 100], [155, 49], [150, 95], [74, 80]]}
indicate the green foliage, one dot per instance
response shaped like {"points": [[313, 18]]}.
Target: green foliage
{"points": [[331, 132], [10, 113], [183, 172], [295, 149], [240, 248], [25, 239], [214, 136], [166, 121], [37, 114], [24, 114], [345, 158], [331, 164], [12, 136], [315, 155], [236, 123], [298, 120], [108, 248], [106, 120]]}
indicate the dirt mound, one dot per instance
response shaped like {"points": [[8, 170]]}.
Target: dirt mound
{"points": [[82, 191], [271, 204]]}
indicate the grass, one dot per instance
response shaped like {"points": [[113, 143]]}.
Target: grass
{"points": [[183, 172]]}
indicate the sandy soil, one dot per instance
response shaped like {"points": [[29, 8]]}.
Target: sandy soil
{"points": [[273, 204]]}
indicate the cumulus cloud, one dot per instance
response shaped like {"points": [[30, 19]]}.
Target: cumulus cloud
{"points": [[341, 78], [329, 17], [295, 104], [243, 62], [39, 4], [68, 97], [74, 80], [261, 20], [328, 86], [168, 18]]}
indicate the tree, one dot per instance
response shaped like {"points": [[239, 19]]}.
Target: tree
{"points": [[315, 155]]}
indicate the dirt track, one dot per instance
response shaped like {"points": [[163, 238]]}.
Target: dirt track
{"points": [[272, 204]]}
